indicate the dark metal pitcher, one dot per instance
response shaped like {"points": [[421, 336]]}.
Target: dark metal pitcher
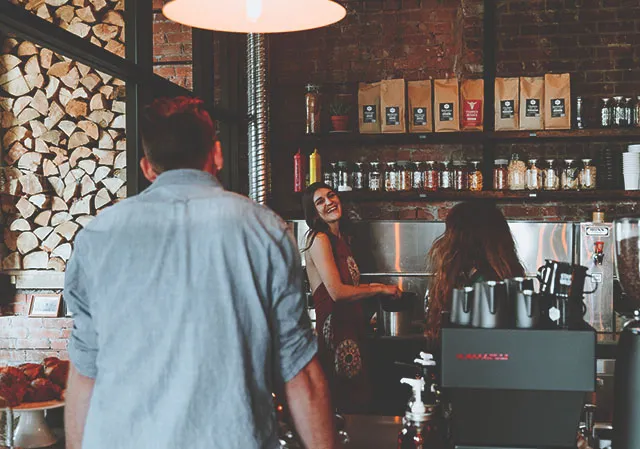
{"points": [[489, 308]]}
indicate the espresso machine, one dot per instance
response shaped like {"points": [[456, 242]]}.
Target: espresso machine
{"points": [[626, 403], [517, 364]]}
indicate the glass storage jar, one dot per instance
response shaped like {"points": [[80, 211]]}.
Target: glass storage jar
{"points": [[391, 177], [460, 176], [550, 178], [619, 112], [359, 177], [500, 174], [344, 177], [628, 110], [327, 176], [588, 175], [375, 177], [517, 172], [312, 107], [405, 176], [446, 176], [335, 176], [569, 177], [534, 175], [431, 176], [475, 177], [606, 113], [418, 176]]}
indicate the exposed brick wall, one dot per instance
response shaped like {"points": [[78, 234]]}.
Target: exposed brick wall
{"points": [[172, 49], [595, 40], [25, 339]]}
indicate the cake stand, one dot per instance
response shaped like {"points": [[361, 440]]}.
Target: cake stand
{"points": [[32, 430]]}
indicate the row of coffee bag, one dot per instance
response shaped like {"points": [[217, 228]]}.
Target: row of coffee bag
{"points": [[532, 103], [527, 103], [385, 107]]}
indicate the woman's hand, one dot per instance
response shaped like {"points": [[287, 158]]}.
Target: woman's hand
{"points": [[390, 290]]}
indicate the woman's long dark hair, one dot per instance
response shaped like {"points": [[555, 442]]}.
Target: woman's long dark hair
{"points": [[477, 236], [315, 223]]}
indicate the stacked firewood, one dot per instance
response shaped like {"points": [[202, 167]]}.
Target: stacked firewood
{"points": [[100, 21], [62, 131]]}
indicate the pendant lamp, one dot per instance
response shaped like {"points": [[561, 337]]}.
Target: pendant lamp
{"points": [[255, 16]]}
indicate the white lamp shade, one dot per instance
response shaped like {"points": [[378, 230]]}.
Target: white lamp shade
{"points": [[255, 16]]}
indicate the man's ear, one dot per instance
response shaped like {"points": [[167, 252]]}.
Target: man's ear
{"points": [[147, 169], [218, 157]]}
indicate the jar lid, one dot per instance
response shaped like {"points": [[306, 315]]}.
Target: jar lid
{"points": [[568, 161], [501, 162], [313, 88], [618, 97], [342, 163], [550, 161], [391, 164], [533, 161], [459, 163], [586, 161], [374, 164]]}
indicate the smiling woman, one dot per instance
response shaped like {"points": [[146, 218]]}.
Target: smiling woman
{"points": [[335, 282]]}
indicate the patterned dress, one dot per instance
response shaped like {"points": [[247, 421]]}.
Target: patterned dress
{"points": [[341, 329]]}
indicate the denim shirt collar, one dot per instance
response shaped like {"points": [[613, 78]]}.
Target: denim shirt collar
{"points": [[185, 176]]}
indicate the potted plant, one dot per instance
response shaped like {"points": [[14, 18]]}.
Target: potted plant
{"points": [[339, 111]]}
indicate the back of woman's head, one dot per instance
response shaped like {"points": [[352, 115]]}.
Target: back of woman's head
{"points": [[477, 239]]}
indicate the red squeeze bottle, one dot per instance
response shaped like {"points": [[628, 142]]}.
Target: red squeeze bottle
{"points": [[298, 172]]}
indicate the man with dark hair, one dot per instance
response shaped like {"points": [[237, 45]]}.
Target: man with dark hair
{"points": [[188, 308]]}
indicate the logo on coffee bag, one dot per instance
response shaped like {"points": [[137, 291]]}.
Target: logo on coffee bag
{"points": [[533, 107], [446, 112], [420, 116], [557, 108], [369, 113]]}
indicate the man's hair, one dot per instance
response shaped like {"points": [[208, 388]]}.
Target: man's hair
{"points": [[176, 133]]}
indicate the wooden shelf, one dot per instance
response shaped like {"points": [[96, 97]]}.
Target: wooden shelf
{"points": [[597, 134], [473, 137], [526, 196]]}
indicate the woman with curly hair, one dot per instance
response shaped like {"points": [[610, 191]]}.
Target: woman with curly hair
{"points": [[476, 246]]}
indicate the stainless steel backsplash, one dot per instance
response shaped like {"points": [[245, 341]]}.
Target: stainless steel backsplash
{"points": [[402, 246]]}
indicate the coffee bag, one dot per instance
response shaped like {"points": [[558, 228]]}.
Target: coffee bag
{"points": [[392, 106], [369, 108], [446, 105], [557, 94], [531, 102], [507, 101], [471, 104], [420, 106]]}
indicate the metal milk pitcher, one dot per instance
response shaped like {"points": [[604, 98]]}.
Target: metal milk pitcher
{"points": [[489, 305]]}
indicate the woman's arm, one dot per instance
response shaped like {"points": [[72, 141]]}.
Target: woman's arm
{"points": [[325, 264]]}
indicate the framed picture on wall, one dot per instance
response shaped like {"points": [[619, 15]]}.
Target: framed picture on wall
{"points": [[45, 306]]}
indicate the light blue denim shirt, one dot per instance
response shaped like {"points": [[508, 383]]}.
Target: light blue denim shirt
{"points": [[188, 306]]}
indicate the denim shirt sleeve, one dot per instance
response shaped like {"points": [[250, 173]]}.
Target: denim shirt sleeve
{"points": [[295, 343], [83, 345]]}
